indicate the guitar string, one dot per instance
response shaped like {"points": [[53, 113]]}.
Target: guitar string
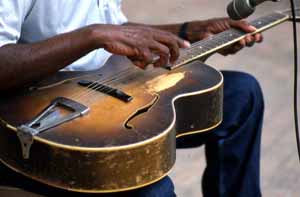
{"points": [[208, 41], [225, 33], [188, 52], [151, 72], [90, 87], [234, 32], [217, 38], [94, 84], [221, 38], [113, 80], [90, 99], [193, 46], [100, 85]]}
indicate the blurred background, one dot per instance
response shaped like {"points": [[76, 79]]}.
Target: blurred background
{"points": [[271, 63]]}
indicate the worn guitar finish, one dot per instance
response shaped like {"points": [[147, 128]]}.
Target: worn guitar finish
{"points": [[96, 152], [113, 129]]}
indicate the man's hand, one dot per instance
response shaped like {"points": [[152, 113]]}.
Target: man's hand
{"points": [[198, 30], [141, 44]]}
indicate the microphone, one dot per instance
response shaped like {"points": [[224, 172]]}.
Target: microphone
{"points": [[239, 9]]}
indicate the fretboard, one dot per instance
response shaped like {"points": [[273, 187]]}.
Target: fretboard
{"points": [[226, 38]]}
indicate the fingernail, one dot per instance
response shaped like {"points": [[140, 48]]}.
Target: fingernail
{"points": [[187, 44]]}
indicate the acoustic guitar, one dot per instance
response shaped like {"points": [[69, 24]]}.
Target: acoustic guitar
{"points": [[114, 129]]}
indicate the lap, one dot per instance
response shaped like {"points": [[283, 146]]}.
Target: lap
{"points": [[27, 187]]}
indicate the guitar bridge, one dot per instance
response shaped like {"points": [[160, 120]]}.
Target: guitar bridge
{"points": [[60, 110], [116, 93]]}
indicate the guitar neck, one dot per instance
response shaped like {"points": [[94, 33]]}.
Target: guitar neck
{"points": [[210, 45]]}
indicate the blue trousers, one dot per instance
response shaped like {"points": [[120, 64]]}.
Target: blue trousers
{"points": [[232, 150]]}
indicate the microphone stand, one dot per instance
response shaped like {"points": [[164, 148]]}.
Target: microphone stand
{"points": [[297, 16], [294, 20]]}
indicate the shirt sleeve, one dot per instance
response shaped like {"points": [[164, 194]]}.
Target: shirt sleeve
{"points": [[12, 16], [116, 14]]}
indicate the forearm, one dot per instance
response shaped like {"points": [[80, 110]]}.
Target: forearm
{"points": [[194, 31], [173, 28], [22, 64]]}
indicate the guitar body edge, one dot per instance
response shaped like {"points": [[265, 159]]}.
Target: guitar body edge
{"points": [[96, 171], [120, 168]]}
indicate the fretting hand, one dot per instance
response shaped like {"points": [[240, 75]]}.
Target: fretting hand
{"points": [[198, 30]]}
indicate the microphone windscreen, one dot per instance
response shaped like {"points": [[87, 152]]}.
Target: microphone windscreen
{"points": [[239, 9]]}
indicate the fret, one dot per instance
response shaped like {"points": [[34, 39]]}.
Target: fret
{"points": [[207, 45], [259, 23], [203, 45], [220, 40], [263, 21], [237, 32], [225, 38], [200, 48]]}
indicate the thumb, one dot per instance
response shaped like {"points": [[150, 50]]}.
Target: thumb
{"points": [[243, 25]]}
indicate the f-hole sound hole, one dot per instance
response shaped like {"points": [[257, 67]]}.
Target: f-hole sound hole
{"points": [[141, 111]]}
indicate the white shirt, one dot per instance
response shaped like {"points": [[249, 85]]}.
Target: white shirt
{"points": [[29, 21]]}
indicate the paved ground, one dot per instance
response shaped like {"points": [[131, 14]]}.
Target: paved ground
{"points": [[272, 64]]}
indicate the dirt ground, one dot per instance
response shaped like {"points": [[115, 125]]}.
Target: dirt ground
{"points": [[271, 63]]}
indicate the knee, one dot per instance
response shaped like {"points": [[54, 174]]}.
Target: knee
{"points": [[243, 99], [244, 87]]}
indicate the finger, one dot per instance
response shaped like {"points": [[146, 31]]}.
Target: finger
{"points": [[138, 63], [183, 43], [243, 25], [163, 52], [224, 52], [258, 38], [159, 48], [147, 56], [162, 61], [172, 44], [162, 36], [242, 42], [227, 51], [250, 44], [143, 58], [174, 50], [235, 49], [231, 50], [250, 40], [122, 49], [186, 44]]}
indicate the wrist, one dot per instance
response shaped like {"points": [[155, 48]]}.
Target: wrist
{"points": [[196, 30], [97, 35], [183, 33]]}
